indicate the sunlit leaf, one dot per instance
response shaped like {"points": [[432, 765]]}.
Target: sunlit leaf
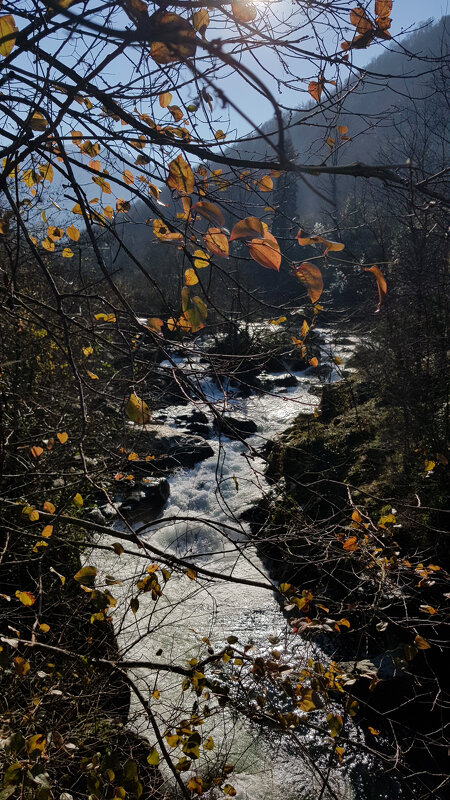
{"points": [[73, 233], [359, 19], [46, 170], [219, 135], [128, 177], [137, 410], [86, 575], [216, 242], [381, 284], [155, 324], [78, 500], [104, 185], [47, 531], [67, 252], [314, 362], [200, 20], [277, 321], [315, 88], [312, 276], [26, 598], [209, 211], [247, 228], [92, 375], [36, 451], [62, 437], [153, 757], [265, 184], [181, 176], [49, 507], [190, 278], [266, 251], [21, 667], [8, 28], [243, 12]]}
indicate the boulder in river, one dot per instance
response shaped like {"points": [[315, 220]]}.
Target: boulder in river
{"points": [[235, 427], [170, 447], [148, 495]]}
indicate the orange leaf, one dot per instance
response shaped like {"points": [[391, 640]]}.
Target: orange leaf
{"points": [[266, 251], [381, 283], [73, 233], [128, 177], [216, 242], [312, 276], [246, 228], [62, 437], [243, 12], [36, 451], [265, 184], [49, 507], [209, 211], [181, 176], [315, 89], [350, 544], [47, 531], [190, 278], [314, 362]]}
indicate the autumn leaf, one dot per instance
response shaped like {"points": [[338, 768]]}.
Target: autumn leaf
{"points": [[86, 575], [78, 500], [137, 410], [104, 185], [312, 276], [190, 278], [26, 598], [8, 31], [216, 242], [47, 531], [266, 251], [49, 507], [122, 206], [200, 20], [38, 122], [209, 211], [381, 284], [179, 38], [73, 233], [315, 89], [165, 99], [36, 451], [67, 252], [421, 643], [128, 177], [314, 362], [201, 259], [247, 228], [62, 437], [181, 176], [243, 12], [265, 184]]}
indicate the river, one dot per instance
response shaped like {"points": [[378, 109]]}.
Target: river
{"points": [[266, 765]]}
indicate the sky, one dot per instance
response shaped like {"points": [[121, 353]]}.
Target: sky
{"points": [[406, 17]]}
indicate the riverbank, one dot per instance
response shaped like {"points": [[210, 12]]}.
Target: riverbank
{"points": [[356, 524]]}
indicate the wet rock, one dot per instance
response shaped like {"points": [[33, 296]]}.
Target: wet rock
{"points": [[170, 447], [285, 379], [148, 495], [95, 515], [195, 421], [235, 427]]}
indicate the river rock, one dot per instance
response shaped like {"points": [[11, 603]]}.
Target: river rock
{"points": [[285, 379], [170, 447], [235, 427], [195, 421], [149, 494]]}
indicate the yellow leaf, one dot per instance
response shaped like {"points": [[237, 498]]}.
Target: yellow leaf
{"points": [[21, 666], [201, 259], [62, 437], [277, 321], [165, 99], [155, 324], [128, 177], [200, 20], [48, 245], [87, 351], [153, 757], [46, 170], [181, 176], [219, 135], [104, 185], [26, 598], [429, 465], [8, 28], [105, 317], [73, 233], [137, 410], [373, 731], [76, 209], [92, 375], [44, 627], [86, 575], [191, 573], [265, 184], [38, 122], [190, 278], [78, 500], [216, 242], [133, 457], [108, 212], [47, 531], [356, 516], [67, 252], [34, 516]]}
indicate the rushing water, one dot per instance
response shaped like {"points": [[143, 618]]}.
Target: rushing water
{"points": [[171, 631]]}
